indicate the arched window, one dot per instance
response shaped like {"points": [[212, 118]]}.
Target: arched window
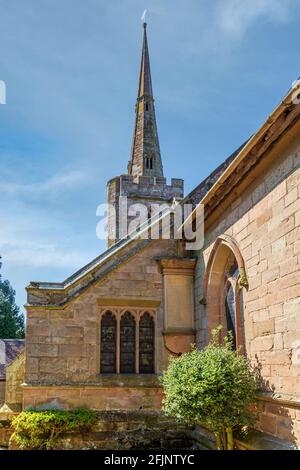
{"points": [[230, 291], [108, 343], [146, 344], [127, 344], [224, 281]]}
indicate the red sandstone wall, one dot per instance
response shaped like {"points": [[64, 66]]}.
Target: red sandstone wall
{"points": [[96, 397], [265, 223]]}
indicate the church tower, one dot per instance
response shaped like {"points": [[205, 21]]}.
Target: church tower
{"points": [[145, 182]]}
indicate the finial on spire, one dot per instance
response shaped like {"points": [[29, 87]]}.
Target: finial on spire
{"points": [[143, 18]]}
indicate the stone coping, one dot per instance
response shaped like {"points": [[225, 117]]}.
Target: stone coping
{"points": [[257, 440], [283, 400], [253, 440], [107, 381]]}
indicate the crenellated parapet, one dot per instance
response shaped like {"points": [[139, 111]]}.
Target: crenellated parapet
{"points": [[151, 187], [149, 191]]}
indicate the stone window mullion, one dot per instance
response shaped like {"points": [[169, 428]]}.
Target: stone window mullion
{"points": [[137, 343], [118, 343], [128, 343], [147, 344]]}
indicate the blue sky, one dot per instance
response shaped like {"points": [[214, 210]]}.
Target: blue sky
{"points": [[71, 70]]}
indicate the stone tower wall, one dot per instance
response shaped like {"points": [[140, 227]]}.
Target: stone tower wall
{"points": [[147, 191]]}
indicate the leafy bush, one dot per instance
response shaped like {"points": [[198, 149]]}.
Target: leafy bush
{"points": [[41, 429], [213, 387]]}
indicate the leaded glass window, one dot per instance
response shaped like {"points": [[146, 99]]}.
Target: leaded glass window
{"points": [[146, 344], [127, 344], [108, 343]]}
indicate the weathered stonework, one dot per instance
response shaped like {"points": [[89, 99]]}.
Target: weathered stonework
{"points": [[179, 332], [110, 394], [10, 350], [2, 391], [263, 221], [251, 250], [15, 375], [131, 430], [146, 190], [145, 154], [63, 343]]}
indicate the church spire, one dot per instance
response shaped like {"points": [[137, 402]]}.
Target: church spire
{"points": [[145, 154], [145, 83]]}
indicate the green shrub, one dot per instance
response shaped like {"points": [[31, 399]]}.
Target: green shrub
{"points": [[213, 387], [41, 429]]}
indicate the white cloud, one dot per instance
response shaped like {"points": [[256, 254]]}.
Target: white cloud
{"points": [[29, 238], [234, 17], [36, 254], [55, 183]]}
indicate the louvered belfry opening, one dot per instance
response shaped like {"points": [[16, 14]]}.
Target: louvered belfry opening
{"points": [[108, 343], [146, 344], [127, 344]]}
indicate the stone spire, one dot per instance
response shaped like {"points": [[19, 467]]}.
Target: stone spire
{"points": [[145, 154]]}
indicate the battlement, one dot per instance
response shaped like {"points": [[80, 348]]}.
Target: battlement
{"points": [[146, 190], [148, 187]]}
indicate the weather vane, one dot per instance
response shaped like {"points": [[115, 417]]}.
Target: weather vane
{"points": [[143, 18]]}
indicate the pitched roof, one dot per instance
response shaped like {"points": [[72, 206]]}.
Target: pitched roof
{"points": [[195, 196]]}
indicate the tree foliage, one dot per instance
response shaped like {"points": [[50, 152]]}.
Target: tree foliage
{"points": [[40, 429], [213, 387], [11, 321]]}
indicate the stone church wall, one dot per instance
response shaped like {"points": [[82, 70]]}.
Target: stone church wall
{"points": [[264, 222], [63, 343], [15, 375], [2, 391]]}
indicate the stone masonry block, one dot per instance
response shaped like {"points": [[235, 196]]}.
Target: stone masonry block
{"points": [[40, 350], [291, 337], [263, 328], [292, 307], [264, 343], [275, 310], [279, 245], [69, 350], [52, 365]]}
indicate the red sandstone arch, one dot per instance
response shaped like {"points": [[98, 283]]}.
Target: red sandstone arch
{"points": [[225, 247]]}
